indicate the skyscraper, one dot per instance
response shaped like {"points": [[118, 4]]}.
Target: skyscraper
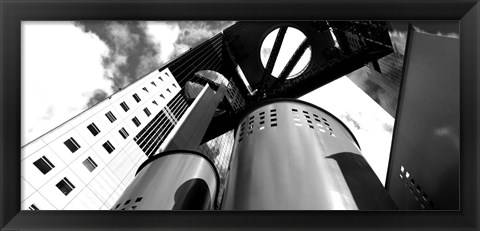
{"points": [[89, 161]]}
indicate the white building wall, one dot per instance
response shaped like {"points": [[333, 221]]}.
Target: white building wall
{"points": [[100, 188]]}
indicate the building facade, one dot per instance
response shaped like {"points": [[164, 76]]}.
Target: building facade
{"points": [[87, 162]]}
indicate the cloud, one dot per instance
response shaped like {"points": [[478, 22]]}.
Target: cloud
{"points": [[161, 36], [97, 97], [388, 127], [193, 33], [131, 52], [266, 53], [137, 48], [173, 38], [349, 119], [60, 64]]}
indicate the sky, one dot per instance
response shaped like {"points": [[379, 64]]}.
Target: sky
{"points": [[68, 67]]}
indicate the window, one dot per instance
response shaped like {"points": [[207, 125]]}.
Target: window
{"points": [[123, 132], [44, 165], [147, 111], [135, 96], [72, 144], [145, 89], [90, 164], [136, 121], [33, 207], [108, 146], [93, 129], [124, 106], [65, 186], [110, 116]]}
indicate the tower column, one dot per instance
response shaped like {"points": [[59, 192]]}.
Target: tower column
{"points": [[289, 154], [173, 180]]}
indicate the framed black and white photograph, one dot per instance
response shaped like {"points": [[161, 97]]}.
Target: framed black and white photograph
{"points": [[232, 116]]}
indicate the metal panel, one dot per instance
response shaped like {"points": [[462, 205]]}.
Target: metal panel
{"points": [[424, 166], [175, 180], [292, 155]]}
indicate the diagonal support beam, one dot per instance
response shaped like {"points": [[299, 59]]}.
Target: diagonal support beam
{"points": [[291, 63], [272, 58]]}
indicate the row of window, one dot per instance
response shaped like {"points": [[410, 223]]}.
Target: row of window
{"points": [[137, 98], [95, 131], [44, 165], [73, 145]]}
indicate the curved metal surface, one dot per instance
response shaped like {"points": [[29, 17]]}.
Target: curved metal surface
{"points": [[283, 159], [270, 101], [175, 180]]}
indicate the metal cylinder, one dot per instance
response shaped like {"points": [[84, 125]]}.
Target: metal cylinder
{"points": [[173, 180], [290, 154]]}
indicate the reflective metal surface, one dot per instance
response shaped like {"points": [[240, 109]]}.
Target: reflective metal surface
{"points": [[424, 167], [292, 155], [176, 180]]}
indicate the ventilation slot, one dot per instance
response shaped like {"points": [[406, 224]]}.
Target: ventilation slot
{"points": [[415, 189]]}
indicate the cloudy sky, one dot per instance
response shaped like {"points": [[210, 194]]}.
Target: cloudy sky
{"points": [[69, 66]]}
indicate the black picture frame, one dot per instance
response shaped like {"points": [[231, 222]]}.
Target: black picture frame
{"points": [[13, 12]]}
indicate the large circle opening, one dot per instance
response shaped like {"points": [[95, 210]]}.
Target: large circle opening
{"points": [[291, 42]]}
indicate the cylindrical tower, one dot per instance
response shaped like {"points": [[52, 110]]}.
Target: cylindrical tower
{"points": [[290, 154], [172, 180]]}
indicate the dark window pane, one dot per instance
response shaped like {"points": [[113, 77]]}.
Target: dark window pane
{"points": [[93, 129], [108, 146], [147, 112], [65, 186], [136, 121], [124, 106], [123, 132], [110, 116], [44, 165], [72, 145], [135, 96]]}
